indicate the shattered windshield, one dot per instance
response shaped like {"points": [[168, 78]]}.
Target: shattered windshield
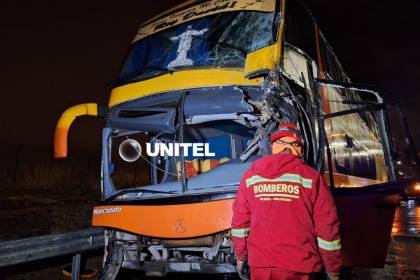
{"points": [[221, 40]]}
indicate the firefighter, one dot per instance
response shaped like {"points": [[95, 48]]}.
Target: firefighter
{"points": [[285, 221]]}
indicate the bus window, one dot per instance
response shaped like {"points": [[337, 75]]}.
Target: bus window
{"points": [[356, 151], [354, 138]]}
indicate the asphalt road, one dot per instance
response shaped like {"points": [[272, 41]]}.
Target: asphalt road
{"points": [[403, 259]]}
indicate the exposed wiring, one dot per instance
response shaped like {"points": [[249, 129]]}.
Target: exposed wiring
{"points": [[157, 167]]}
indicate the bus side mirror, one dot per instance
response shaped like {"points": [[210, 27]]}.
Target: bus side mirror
{"points": [[64, 123]]}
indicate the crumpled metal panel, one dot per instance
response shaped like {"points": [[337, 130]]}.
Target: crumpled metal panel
{"points": [[223, 101]]}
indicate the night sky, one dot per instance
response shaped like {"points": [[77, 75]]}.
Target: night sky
{"points": [[55, 54]]}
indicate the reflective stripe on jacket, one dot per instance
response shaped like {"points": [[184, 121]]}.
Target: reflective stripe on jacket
{"points": [[284, 216]]}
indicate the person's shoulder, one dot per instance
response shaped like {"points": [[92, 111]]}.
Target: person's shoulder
{"points": [[309, 170], [249, 172], [256, 164], [262, 159]]}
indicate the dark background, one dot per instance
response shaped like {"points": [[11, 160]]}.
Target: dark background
{"points": [[55, 54]]}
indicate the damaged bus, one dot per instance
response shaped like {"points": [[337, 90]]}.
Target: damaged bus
{"points": [[225, 73]]}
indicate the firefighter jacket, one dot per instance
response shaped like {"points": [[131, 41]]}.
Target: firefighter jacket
{"points": [[284, 216]]}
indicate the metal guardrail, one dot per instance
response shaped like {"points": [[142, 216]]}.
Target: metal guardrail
{"points": [[26, 250]]}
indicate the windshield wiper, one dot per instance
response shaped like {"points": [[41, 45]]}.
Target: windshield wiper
{"points": [[153, 67], [139, 72], [120, 193]]}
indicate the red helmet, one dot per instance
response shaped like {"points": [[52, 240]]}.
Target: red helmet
{"points": [[287, 129]]}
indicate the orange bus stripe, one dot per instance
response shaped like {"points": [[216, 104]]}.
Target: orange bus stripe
{"points": [[167, 221]]}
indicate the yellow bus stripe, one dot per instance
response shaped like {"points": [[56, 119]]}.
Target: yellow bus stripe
{"points": [[187, 79]]}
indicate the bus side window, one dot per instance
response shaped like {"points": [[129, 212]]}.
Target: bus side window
{"points": [[355, 145]]}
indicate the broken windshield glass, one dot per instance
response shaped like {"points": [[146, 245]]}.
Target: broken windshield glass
{"points": [[221, 41]]}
